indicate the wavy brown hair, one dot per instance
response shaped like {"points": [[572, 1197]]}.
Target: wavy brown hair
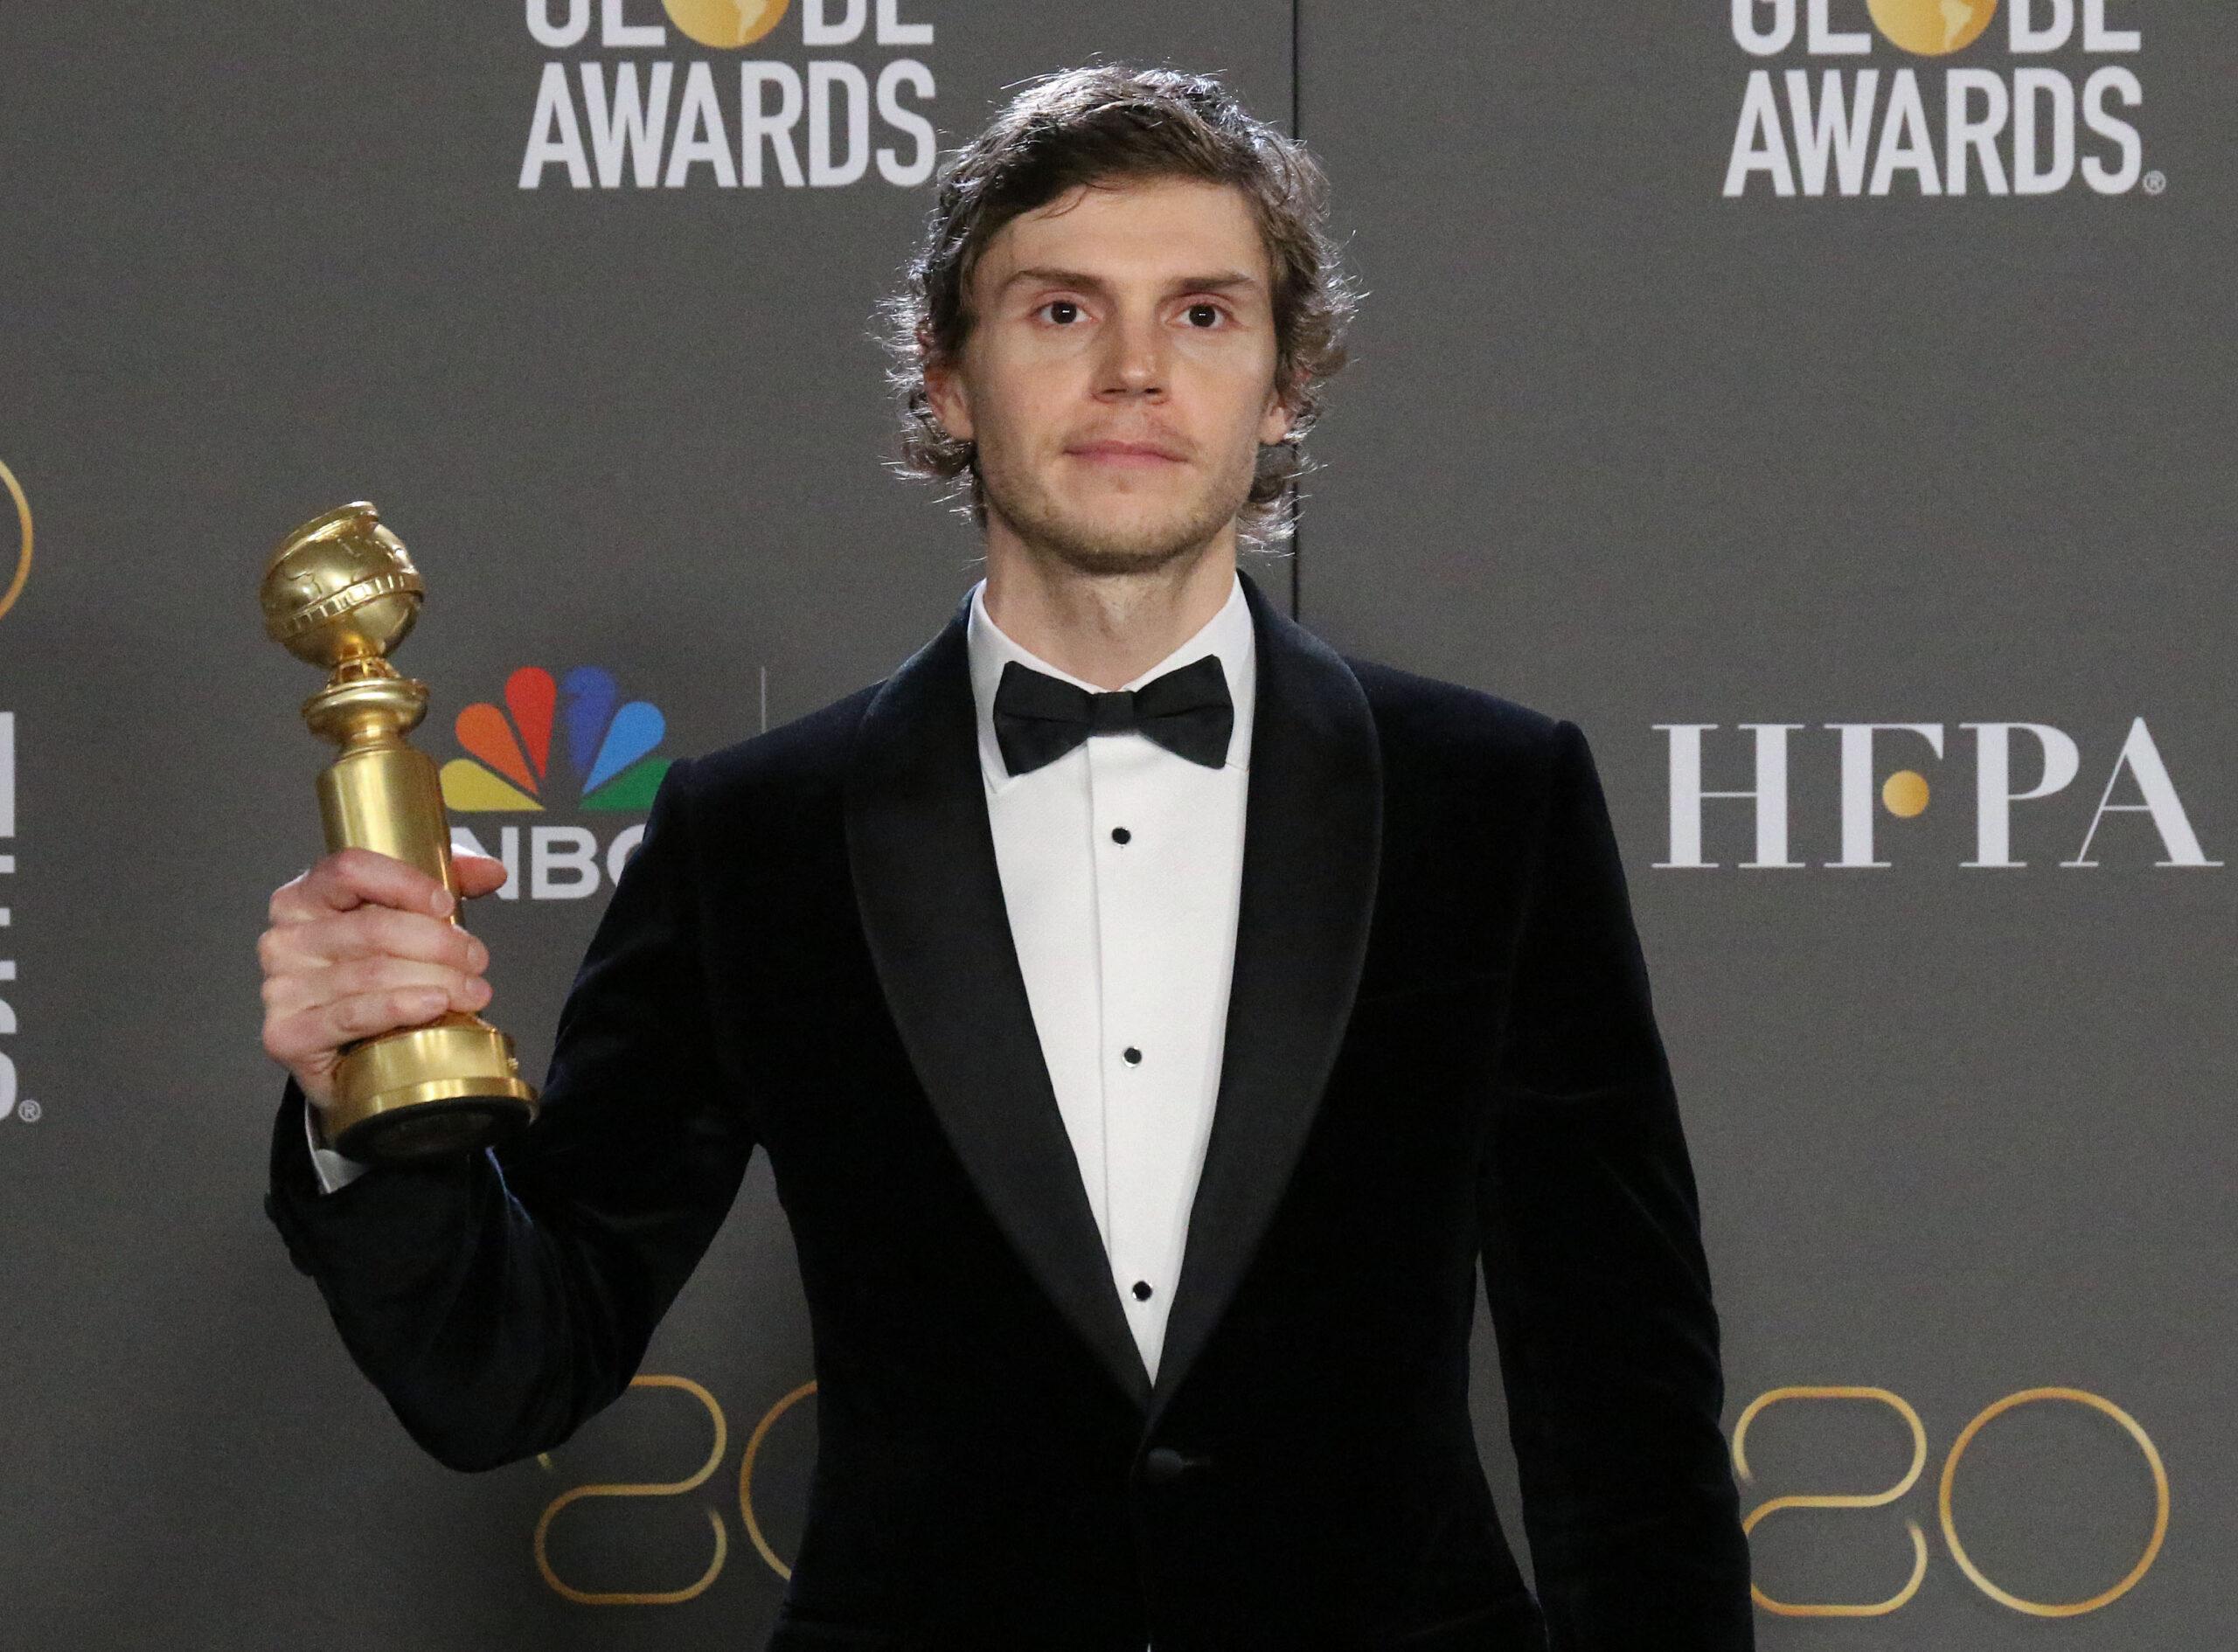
{"points": [[1113, 121]]}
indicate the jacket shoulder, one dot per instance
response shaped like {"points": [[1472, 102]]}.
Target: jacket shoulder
{"points": [[1426, 715], [798, 758]]}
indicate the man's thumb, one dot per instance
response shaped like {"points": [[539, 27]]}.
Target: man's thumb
{"points": [[477, 874]]}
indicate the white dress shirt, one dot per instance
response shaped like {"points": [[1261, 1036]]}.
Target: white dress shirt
{"points": [[1121, 865]]}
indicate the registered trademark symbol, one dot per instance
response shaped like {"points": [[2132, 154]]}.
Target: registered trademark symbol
{"points": [[2156, 182], [30, 1111]]}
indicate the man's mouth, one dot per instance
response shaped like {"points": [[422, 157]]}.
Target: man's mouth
{"points": [[1122, 454]]}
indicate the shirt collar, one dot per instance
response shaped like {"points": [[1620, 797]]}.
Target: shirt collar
{"points": [[1227, 634]]}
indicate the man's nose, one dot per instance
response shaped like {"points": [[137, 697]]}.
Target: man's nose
{"points": [[1133, 362]]}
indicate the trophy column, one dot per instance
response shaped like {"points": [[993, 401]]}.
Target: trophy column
{"points": [[340, 591]]}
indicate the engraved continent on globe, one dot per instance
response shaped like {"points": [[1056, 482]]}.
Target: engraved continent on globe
{"points": [[341, 587]]}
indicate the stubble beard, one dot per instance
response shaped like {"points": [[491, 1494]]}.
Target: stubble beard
{"points": [[1139, 538]]}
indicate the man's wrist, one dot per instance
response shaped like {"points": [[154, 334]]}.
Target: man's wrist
{"points": [[335, 1170]]}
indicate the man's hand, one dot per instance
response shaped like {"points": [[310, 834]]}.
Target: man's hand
{"points": [[359, 944]]}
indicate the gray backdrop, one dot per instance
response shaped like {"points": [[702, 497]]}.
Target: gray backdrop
{"points": [[1635, 435]]}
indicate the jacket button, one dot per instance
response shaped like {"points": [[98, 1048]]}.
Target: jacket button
{"points": [[1164, 1464]]}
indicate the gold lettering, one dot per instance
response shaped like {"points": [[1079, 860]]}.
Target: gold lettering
{"points": [[668, 1488], [2036, 1608], [1843, 1500], [746, 1477]]}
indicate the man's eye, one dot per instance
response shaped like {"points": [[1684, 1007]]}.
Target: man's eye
{"points": [[1062, 303], [1214, 310]]}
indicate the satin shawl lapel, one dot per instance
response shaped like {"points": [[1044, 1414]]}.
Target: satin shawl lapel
{"points": [[930, 893], [1312, 847]]}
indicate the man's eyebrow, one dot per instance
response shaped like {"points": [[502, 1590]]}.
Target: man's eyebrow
{"points": [[1218, 280]]}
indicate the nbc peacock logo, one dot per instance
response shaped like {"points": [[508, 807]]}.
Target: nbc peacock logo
{"points": [[548, 743], [608, 745]]}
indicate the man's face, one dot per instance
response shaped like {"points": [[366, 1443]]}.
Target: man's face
{"points": [[1136, 312]]}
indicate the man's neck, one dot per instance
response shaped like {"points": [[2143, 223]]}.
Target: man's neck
{"points": [[1106, 628]]}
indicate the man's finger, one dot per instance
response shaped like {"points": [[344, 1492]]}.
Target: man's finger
{"points": [[285, 995], [352, 877], [320, 1028], [370, 932], [478, 874]]}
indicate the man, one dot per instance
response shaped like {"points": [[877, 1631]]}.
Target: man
{"points": [[1154, 1021]]}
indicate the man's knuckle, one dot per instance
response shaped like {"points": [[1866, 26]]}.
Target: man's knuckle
{"points": [[285, 1035], [360, 870], [345, 934]]}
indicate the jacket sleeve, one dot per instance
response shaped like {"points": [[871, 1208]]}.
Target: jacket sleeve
{"points": [[1595, 1271], [498, 1299]]}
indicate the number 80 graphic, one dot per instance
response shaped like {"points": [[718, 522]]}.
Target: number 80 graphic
{"points": [[1897, 1403]]}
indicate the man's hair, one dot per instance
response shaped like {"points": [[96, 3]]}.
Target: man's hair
{"points": [[1116, 122]]}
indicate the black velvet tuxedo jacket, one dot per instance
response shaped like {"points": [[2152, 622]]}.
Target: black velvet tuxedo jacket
{"points": [[1441, 1056]]}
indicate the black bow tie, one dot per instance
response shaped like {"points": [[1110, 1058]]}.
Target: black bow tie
{"points": [[1040, 717]]}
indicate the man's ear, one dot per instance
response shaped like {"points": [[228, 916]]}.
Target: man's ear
{"points": [[944, 389], [1276, 425]]}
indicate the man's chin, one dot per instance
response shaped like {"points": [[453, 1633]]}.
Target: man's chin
{"points": [[1102, 553], [1118, 541]]}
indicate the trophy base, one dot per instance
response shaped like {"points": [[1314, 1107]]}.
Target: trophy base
{"points": [[423, 1092]]}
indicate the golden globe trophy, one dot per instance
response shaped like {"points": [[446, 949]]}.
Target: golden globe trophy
{"points": [[341, 593]]}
